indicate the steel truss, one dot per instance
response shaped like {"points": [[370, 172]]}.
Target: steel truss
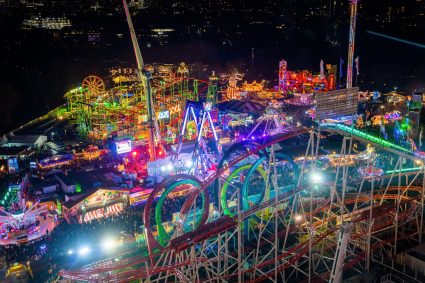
{"points": [[278, 222]]}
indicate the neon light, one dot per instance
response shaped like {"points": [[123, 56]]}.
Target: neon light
{"points": [[78, 188], [163, 235], [212, 126], [165, 114], [236, 174], [200, 126], [404, 170], [367, 136], [175, 109]]}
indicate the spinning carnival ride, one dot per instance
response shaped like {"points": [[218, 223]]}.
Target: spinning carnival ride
{"points": [[272, 122], [201, 158], [21, 221]]}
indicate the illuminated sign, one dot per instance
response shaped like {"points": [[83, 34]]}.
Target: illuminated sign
{"points": [[13, 165], [123, 146], [175, 109], [165, 114]]}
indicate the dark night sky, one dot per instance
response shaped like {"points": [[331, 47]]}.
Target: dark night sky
{"points": [[38, 66]]}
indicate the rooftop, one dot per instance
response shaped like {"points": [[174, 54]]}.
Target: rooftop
{"points": [[24, 139], [89, 179]]}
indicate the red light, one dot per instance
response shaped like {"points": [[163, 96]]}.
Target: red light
{"points": [[134, 153]]}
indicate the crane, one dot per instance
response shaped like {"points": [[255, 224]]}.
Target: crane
{"points": [[145, 78]]}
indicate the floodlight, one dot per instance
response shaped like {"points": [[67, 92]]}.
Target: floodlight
{"points": [[84, 251], [316, 177], [189, 163], [108, 244]]}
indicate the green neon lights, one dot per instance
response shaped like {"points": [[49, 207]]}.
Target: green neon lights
{"points": [[163, 236], [233, 175], [404, 170], [367, 136], [78, 188], [12, 193]]}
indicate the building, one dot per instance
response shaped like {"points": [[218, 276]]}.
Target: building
{"points": [[33, 141], [91, 194], [46, 23], [83, 181]]}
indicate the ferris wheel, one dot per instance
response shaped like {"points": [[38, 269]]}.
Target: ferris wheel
{"points": [[93, 86]]}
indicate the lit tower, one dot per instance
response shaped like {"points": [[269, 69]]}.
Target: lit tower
{"points": [[145, 79], [353, 15]]}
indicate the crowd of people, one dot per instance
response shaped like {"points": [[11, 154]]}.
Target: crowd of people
{"points": [[31, 251], [53, 249]]}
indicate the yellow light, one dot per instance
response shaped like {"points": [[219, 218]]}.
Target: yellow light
{"points": [[298, 218]]}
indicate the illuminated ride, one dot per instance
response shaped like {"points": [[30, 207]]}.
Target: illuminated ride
{"points": [[370, 172], [206, 147], [302, 85], [121, 110], [22, 223], [273, 218], [393, 116], [272, 122], [93, 86]]}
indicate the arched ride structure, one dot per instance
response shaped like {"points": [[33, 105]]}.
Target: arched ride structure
{"points": [[276, 220], [121, 110]]}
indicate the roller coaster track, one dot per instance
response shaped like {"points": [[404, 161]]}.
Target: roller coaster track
{"points": [[301, 250], [368, 138], [385, 212], [94, 269], [384, 205]]}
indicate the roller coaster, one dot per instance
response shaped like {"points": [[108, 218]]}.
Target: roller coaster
{"points": [[121, 110], [277, 220]]}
